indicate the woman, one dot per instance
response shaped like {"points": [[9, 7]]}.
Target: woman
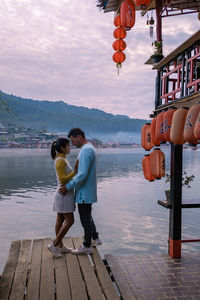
{"points": [[63, 205]]}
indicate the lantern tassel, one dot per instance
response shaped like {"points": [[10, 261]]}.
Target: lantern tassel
{"points": [[118, 65]]}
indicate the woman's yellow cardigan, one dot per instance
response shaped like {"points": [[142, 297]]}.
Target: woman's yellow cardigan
{"points": [[61, 170]]}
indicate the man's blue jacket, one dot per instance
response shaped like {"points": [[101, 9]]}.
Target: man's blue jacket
{"points": [[85, 182]]}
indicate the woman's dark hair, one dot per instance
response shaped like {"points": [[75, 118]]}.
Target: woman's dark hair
{"points": [[56, 146], [74, 132]]}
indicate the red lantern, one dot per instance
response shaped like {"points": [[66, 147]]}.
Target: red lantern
{"points": [[142, 3], [155, 141], [157, 163], [190, 123], [119, 33], [159, 133], [146, 168], [167, 122], [117, 21], [127, 14], [146, 141], [197, 128], [119, 45], [178, 123], [119, 57]]}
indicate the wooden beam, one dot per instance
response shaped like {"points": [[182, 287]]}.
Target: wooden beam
{"points": [[187, 101]]}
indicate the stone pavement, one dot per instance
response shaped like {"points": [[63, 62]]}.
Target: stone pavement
{"points": [[157, 277]]}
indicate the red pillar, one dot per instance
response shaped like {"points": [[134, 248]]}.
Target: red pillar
{"points": [[159, 39], [158, 21]]}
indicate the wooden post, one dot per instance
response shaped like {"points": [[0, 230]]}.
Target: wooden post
{"points": [[159, 39], [158, 21], [176, 201], [157, 90]]}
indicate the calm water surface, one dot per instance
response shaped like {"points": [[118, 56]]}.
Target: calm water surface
{"points": [[127, 215]]}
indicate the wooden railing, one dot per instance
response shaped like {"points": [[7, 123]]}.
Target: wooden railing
{"points": [[179, 73]]}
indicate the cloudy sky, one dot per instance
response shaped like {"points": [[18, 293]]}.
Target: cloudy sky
{"points": [[62, 50]]}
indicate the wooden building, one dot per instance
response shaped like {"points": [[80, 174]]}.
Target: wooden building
{"points": [[177, 84]]}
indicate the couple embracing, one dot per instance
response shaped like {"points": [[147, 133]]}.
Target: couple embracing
{"points": [[83, 181]]}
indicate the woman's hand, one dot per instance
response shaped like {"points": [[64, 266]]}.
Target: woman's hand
{"points": [[63, 190], [76, 166]]}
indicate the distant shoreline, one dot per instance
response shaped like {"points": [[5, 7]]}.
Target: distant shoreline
{"points": [[100, 147]]}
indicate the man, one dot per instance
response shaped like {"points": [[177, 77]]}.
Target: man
{"points": [[85, 185]]}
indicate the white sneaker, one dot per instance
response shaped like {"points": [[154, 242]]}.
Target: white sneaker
{"points": [[64, 249], [82, 250], [54, 250], [97, 242]]}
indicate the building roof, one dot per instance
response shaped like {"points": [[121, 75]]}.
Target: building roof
{"points": [[114, 5], [168, 7], [189, 42]]}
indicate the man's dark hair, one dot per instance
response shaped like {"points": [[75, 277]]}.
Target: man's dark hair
{"points": [[74, 132]]}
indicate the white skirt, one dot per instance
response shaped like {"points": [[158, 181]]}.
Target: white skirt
{"points": [[64, 204]]}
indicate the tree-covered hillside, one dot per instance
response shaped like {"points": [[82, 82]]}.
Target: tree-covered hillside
{"points": [[60, 116]]}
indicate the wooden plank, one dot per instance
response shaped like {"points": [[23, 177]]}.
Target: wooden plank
{"points": [[33, 286], [121, 276], [19, 283], [77, 285], [166, 204], [9, 270], [103, 277], [63, 290], [47, 273], [92, 285]]}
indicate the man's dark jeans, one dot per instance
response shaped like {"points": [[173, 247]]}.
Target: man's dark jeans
{"points": [[85, 212]]}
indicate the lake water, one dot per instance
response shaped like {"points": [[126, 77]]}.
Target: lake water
{"points": [[127, 215]]}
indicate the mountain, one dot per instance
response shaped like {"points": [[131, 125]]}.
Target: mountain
{"points": [[60, 117]]}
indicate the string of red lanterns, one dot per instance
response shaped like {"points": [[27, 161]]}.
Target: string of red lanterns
{"points": [[124, 22], [119, 45]]}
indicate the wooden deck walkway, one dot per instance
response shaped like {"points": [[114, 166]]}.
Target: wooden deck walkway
{"points": [[32, 273]]}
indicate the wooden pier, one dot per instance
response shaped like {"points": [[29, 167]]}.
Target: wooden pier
{"points": [[31, 273]]}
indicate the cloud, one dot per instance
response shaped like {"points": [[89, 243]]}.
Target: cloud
{"points": [[62, 50]]}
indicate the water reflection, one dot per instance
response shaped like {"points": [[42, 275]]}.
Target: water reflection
{"points": [[29, 169], [127, 215]]}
